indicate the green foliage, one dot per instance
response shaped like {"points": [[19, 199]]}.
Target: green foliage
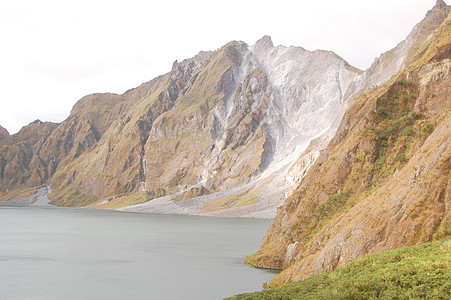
{"points": [[428, 128], [443, 230], [334, 202], [318, 215], [416, 272], [395, 125], [402, 158], [359, 157], [408, 131]]}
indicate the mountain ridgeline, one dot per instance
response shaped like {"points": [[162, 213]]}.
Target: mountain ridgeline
{"points": [[349, 162]]}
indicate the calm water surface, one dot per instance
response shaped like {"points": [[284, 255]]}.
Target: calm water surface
{"points": [[67, 253]]}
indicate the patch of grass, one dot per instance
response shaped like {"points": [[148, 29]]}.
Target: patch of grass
{"points": [[395, 126], [132, 199], [223, 203], [71, 198], [427, 128], [416, 272], [402, 158], [249, 199], [245, 198], [318, 215]]}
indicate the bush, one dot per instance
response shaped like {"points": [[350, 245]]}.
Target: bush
{"points": [[416, 272], [402, 158], [428, 128]]}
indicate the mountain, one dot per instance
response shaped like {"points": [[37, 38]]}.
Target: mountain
{"points": [[20, 167], [214, 122], [3, 133], [226, 132], [383, 181], [349, 162]]}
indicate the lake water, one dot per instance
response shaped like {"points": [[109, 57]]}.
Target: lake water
{"points": [[69, 253]]}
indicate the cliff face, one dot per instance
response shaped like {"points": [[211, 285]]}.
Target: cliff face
{"points": [[20, 165], [383, 181], [4, 134]]}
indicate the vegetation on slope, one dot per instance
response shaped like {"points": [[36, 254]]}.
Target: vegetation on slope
{"points": [[129, 199], [415, 272], [20, 168], [244, 198]]}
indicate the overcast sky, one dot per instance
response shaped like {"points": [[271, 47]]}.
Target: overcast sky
{"points": [[52, 53]]}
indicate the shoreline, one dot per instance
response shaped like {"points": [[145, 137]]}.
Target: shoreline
{"points": [[162, 206]]}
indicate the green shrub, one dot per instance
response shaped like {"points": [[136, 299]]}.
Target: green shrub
{"points": [[428, 128], [402, 158], [408, 131], [416, 272]]}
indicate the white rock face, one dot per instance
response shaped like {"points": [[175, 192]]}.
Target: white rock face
{"points": [[309, 94], [303, 96]]}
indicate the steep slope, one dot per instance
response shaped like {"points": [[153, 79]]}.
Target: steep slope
{"points": [[112, 165], [4, 134], [398, 58], [383, 181], [20, 164]]}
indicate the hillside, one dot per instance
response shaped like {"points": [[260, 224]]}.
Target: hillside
{"points": [[415, 272], [383, 182]]}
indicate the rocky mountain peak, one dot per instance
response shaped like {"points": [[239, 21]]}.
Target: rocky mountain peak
{"points": [[265, 43], [174, 65], [439, 11], [234, 50], [37, 122], [440, 4], [3, 132]]}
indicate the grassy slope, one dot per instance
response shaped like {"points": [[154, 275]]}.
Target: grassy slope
{"points": [[405, 273]]}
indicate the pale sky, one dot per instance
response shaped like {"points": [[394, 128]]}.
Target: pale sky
{"points": [[53, 52]]}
